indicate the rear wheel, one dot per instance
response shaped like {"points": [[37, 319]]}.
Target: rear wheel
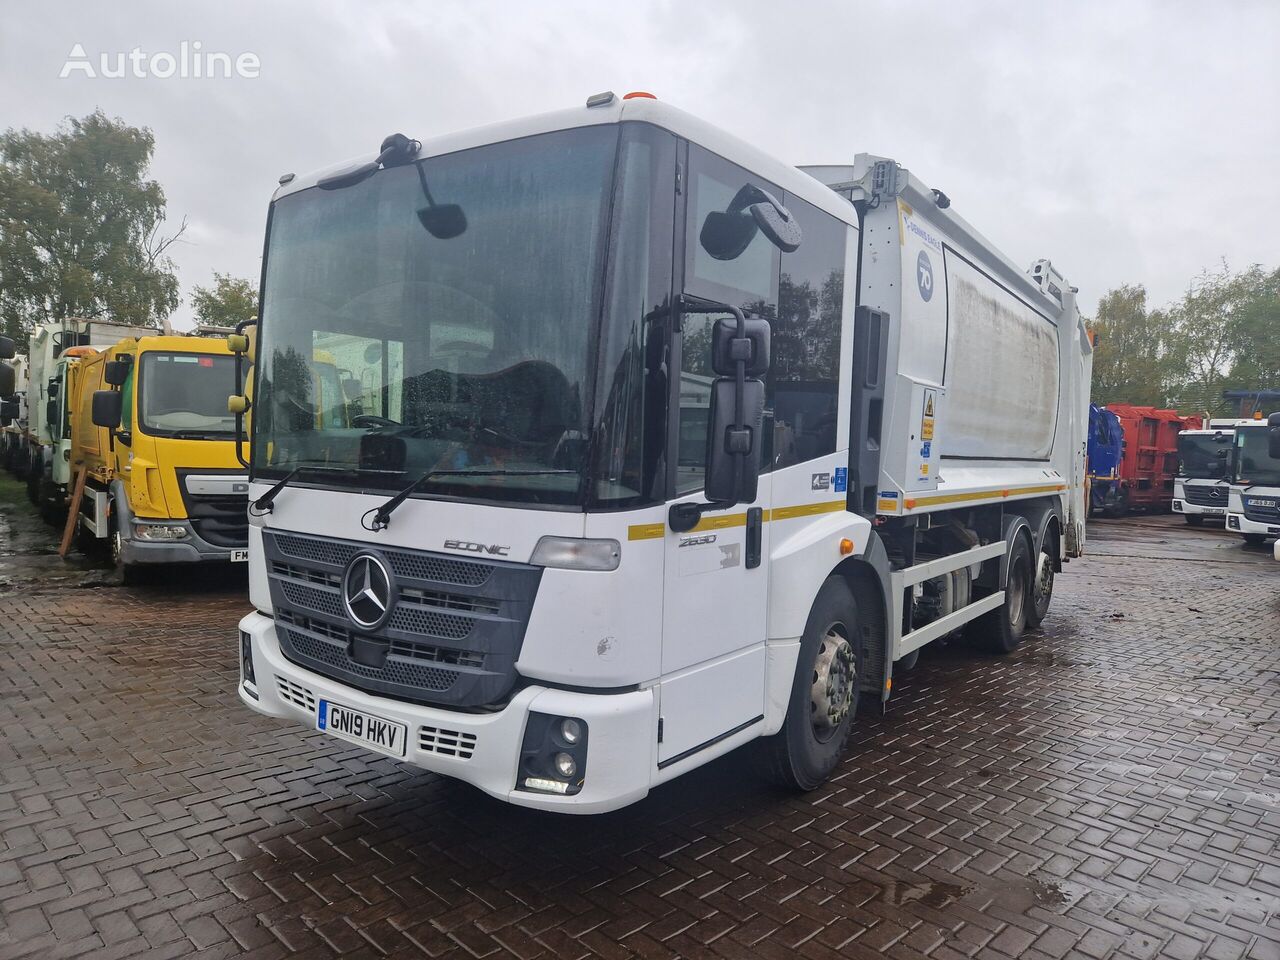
{"points": [[1195, 519], [1000, 630], [824, 693], [1120, 506], [1042, 584]]}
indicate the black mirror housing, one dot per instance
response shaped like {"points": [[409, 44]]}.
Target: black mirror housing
{"points": [[8, 349], [116, 372], [725, 347], [108, 405], [8, 381], [53, 388], [733, 457], [9, 410], [1273, 436]]}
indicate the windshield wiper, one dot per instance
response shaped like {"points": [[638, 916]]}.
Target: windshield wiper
{"points": [[382, 515], [264, 504]]}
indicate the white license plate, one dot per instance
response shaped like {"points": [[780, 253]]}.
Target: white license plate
{"points": [[385, 736], [239, 556], [1214, 512], [1262, 503]]}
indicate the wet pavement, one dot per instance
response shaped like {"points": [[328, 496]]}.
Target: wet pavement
{"points": [[1111, 789]]}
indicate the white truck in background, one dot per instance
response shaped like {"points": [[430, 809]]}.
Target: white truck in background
{"points": [[51, 353], [658, 446], [1202, 487], [1254, 509]]}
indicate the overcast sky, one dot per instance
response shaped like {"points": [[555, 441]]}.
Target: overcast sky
{"points": [[1126, 141]]}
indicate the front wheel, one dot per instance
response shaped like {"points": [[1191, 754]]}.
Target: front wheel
{"points": [[824, 693], [1254, 539], [1195, 519], [1000, 630], [1120, 506]]}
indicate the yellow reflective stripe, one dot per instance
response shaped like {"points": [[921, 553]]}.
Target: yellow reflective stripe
{"points": [[723, 521], [646, 531], [912, 503], [807, 509]]}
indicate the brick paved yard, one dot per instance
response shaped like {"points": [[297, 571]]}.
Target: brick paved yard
{"points": [[1113, 789]]}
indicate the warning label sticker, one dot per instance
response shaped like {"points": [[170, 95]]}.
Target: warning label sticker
{"points": [[927, 416]]}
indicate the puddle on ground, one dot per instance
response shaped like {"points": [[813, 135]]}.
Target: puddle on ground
{"points": [[29, 550], [928, 893]]}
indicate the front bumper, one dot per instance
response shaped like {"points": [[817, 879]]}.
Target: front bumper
{"points": [[1242, 524], [1193, 509], [621, 758], [190, 549]]}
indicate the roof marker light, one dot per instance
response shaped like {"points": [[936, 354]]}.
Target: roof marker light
{"points": [[600, 99], [639, 95]]}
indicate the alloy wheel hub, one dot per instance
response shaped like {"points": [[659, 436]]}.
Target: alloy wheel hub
{"points": [[834, 678]]}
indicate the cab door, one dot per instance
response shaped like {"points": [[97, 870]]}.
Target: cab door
{"points": [[716, 587]]}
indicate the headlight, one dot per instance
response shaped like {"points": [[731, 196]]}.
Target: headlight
{"points": [[159, 531], [570, 553]]}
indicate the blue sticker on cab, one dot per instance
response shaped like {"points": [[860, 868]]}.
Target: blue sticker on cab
{"points": [[840, 479]]}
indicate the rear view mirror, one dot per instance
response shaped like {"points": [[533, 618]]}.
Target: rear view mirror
{"points": [[352, 388], [733, 455], [1273, 436], [444, 222], [115, 372], [726, 235], [7, 348], [727, 348], [51, 417], [107, 408], [53, 388], [8, 411], [8, 380]]}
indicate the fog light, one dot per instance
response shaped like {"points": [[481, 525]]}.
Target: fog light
{"points": [[570, 731], [553, 755], [247, 676], [566, 766]]}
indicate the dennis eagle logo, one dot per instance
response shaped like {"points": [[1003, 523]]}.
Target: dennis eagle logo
{"points": [[367, 592]]}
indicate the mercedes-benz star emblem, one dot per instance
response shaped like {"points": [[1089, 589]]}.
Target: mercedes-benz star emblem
{"points": [[367, 592], [1215, 492]]}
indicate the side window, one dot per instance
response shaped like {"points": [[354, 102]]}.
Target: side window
{"points": [[746, 278], [126, 400], [803, 386]]}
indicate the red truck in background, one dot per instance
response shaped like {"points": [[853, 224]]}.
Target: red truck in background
{"points": [[1149, 459]]}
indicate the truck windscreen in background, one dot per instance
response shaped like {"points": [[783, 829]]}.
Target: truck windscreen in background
{"points": [[493, 340], [1254, 466], [1203, 456], [184, 395]]}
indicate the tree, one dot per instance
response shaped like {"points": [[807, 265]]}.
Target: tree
{"points": [[1137, 360], [80, 226], [229, 301], [1254, 331]]}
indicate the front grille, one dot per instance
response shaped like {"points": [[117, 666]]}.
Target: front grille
{"points": [[410, 566], [1202, 495], [1261, 514], [452, 637], [446, 743], [220, 520], [296, 694]]}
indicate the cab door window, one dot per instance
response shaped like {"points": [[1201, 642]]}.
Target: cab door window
{"points": [[746, 278]]}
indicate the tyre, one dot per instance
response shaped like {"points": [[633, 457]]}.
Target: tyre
{"points": [[1000, 630], [824, 693], [33, 481], [1254, 539], [1195, 519], [1041, 585], [909, 661], [127, 574]]}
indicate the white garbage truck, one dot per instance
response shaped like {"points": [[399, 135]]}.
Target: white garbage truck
{"points": [[1202, 486], [653, 446], [1254, 509]]}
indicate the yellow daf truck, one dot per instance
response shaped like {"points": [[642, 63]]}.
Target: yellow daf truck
{"points": [[152, 434]]}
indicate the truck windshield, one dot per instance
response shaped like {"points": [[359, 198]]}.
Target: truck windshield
{"points": [[184, 395], [1254, 466], [1203, 456], [502, 343]]}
